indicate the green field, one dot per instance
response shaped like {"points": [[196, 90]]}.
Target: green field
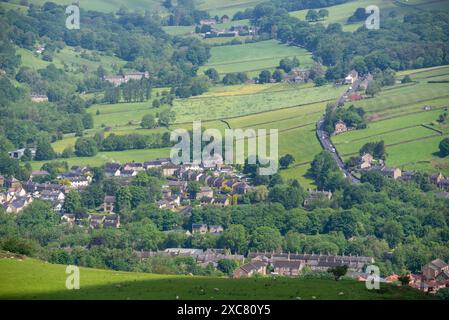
{"points": [[108, 5], [222, 7], [397, 116], [341, 13], [33, 279], [254, 57]]}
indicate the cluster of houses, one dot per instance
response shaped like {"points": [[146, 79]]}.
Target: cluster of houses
{"points": [[292, 264], [368, 163], [120, 79], [202, 257], [15, 198], [231, 32], [218, 182]]}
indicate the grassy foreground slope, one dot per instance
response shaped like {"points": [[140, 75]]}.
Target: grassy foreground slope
{"points": [[33, 279]]}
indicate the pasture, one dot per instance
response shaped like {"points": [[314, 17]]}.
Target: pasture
{"points": [[26, 278], [399, 117], [107, 5], [254, 57]]}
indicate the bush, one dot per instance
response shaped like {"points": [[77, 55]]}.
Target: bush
{"points": [[20, 246]]}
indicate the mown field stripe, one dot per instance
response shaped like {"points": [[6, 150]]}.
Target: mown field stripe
{"points": [[403, 142]]}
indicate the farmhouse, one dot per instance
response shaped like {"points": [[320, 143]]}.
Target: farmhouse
{"points": [[39, 98], [366, 161], [340, 127], [208, 22], [352, 77], [19, 153], [120, 79], [393, 173]]}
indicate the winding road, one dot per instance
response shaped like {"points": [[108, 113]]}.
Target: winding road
{"points": [[325, 140]]}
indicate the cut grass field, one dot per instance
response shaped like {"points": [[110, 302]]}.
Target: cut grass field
{"points": [[397, 116], [33, 279], [253, 57]]}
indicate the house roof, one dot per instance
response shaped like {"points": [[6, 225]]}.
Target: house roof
{"points": [[287, 264]]}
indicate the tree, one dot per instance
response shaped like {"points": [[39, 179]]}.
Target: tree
{"points": [[406, 79], [44, 150], [373, 88], [234, 238], [266, 239], [444, 147], [123, 199], [212, 74], [338, 272], [86, 147], [286, 161], [265, 76], [278, 75], [227, 266], [72, 202], [166, 117], [193, 187], [312, 15], [404, 280], [148, 122], [323, 13]]}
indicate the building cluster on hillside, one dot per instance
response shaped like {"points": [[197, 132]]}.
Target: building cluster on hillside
{"points": [[369, 163], [15, 198], [218, 186], [208, 28], [291, 264], [120, 79], [202, 257], [219, 182]]}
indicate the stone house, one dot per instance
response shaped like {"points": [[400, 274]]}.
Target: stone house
{"points": [[250, 269], [288, 267], [434, 269], [340, 127]]}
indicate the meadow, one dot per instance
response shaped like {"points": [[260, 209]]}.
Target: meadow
{"points": [[108, 5], [340, 13], [25, 278], [398, 116], [254, 57], [228, 7]]}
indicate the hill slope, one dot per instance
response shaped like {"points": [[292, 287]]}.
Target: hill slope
{"points": [[33, 279]]}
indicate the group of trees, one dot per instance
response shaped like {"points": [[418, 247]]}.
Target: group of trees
{"points": [[90, 146], [353, 117]]}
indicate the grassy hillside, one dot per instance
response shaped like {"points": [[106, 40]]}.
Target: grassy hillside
{"points": [[107, 5], [397, 116], [341, 13], [33, 279], [222, 7]]}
